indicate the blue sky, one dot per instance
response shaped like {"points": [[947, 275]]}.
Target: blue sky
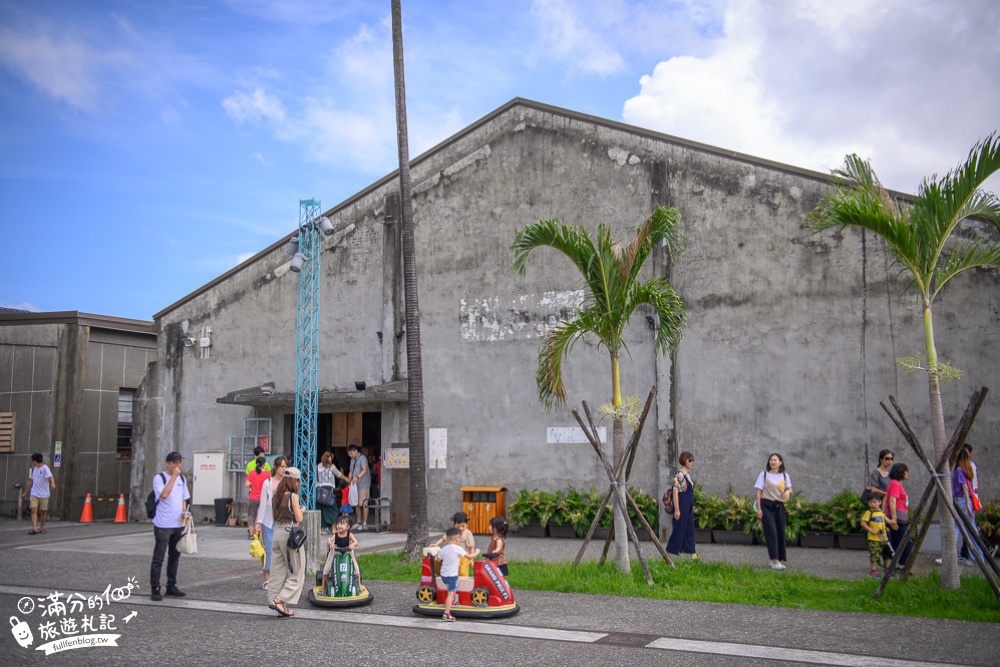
{"points": [[148, 146]]}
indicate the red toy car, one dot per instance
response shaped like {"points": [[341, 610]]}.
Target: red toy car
{"points": [[485, 594]]}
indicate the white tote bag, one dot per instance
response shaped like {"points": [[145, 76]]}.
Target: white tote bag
{"points": [[188, 544], [352, 495]]}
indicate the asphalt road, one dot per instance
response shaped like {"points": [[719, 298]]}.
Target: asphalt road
{"points": [[224, 620]]}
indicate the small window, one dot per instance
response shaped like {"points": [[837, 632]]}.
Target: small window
{"points": [[123, 446], [6, 431]]}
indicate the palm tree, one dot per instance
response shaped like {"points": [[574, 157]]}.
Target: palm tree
{"points": [[611, 276], [919, 236], [416, 534]]}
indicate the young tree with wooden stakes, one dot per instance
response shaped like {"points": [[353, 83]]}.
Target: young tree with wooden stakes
{"points": [[921, 238], [613, 291]]}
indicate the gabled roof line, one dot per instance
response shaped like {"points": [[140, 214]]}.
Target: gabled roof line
{"points": [[83, 319], [522, 102]]}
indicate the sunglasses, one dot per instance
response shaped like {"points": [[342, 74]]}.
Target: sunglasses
{"points": [[888, 458]]}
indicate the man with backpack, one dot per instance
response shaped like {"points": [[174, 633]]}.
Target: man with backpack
{"points": [[171, 495]]}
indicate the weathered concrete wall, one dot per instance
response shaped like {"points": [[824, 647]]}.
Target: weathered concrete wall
{"points": [[790, 342], [28, 364], [63, 380]]}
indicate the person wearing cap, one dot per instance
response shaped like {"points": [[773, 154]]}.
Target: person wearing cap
{"points": [[170, 489], [288, 566]]}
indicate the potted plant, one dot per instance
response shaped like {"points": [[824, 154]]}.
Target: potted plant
{"points": [[650, 508], [796, 520], [988, 521], [566, 505], [531, 511], [817, 518], [846, 510], [593, 499], [702, 535], [737, 517], [709, 513]]}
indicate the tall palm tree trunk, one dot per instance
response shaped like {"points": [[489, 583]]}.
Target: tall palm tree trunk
{"points": [[617, 452], [949, 557], [416, 535]]}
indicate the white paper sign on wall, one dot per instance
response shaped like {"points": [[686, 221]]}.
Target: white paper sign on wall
{"points": [[570, 435], [438, 449]]}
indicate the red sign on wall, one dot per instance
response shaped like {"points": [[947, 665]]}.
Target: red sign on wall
{"points": [[264, 442]]}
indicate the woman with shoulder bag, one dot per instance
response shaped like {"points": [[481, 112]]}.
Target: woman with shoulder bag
{"points": [[773, 491], [265, 513], [682, 534], [288, 566], [961, 486]]}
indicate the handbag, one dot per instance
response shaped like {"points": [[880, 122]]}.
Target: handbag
{"points": [[188, 544], [324, 495], [976, 505], [352, 495], [256, 548], [296, 536]]}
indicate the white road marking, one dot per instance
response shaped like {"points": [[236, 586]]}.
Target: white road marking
{"points": [[501, 629], [786, 654]]}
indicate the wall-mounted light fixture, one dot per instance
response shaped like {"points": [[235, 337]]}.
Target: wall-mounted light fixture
{"points": [[189, 342], [293, 246], [298, 261], [325, 226], [360, 385]]}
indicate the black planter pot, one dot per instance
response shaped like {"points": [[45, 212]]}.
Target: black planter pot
{"points": [[732, 537], [817, 540], [561, 530], [858, 541], [641, 533], [601, 533], [533, 530], [702, 536]]}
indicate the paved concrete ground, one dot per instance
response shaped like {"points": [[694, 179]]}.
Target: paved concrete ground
{"points": [[225, 543], [224, 620]]}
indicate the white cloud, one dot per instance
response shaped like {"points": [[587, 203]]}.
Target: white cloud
{"points": [[63, 68], [254, 106], [910, 84], [569, 37]]}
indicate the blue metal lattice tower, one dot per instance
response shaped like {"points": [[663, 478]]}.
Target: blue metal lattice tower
{"points": [[307, 350]]}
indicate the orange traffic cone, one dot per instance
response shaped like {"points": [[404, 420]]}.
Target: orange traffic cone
{"points": [[120, 514], [87, 516]]}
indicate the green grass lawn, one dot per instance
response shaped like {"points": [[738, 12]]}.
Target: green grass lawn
{"points": [[722, 582]]}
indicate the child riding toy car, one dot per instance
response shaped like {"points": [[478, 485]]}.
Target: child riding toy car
{"points": [[484, 594], [343, 588]]}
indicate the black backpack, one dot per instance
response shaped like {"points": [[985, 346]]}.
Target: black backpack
{"points": [[152, 501]]}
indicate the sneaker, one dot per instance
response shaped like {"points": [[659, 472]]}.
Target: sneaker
{"points": [[874, 575], [694, 558], [775, 566], [937, 561], [970, 562], [356, 526], [175, 592], [155, 595]]}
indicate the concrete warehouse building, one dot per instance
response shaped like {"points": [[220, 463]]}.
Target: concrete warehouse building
{"points": [[789, 344], [67, 387]]}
